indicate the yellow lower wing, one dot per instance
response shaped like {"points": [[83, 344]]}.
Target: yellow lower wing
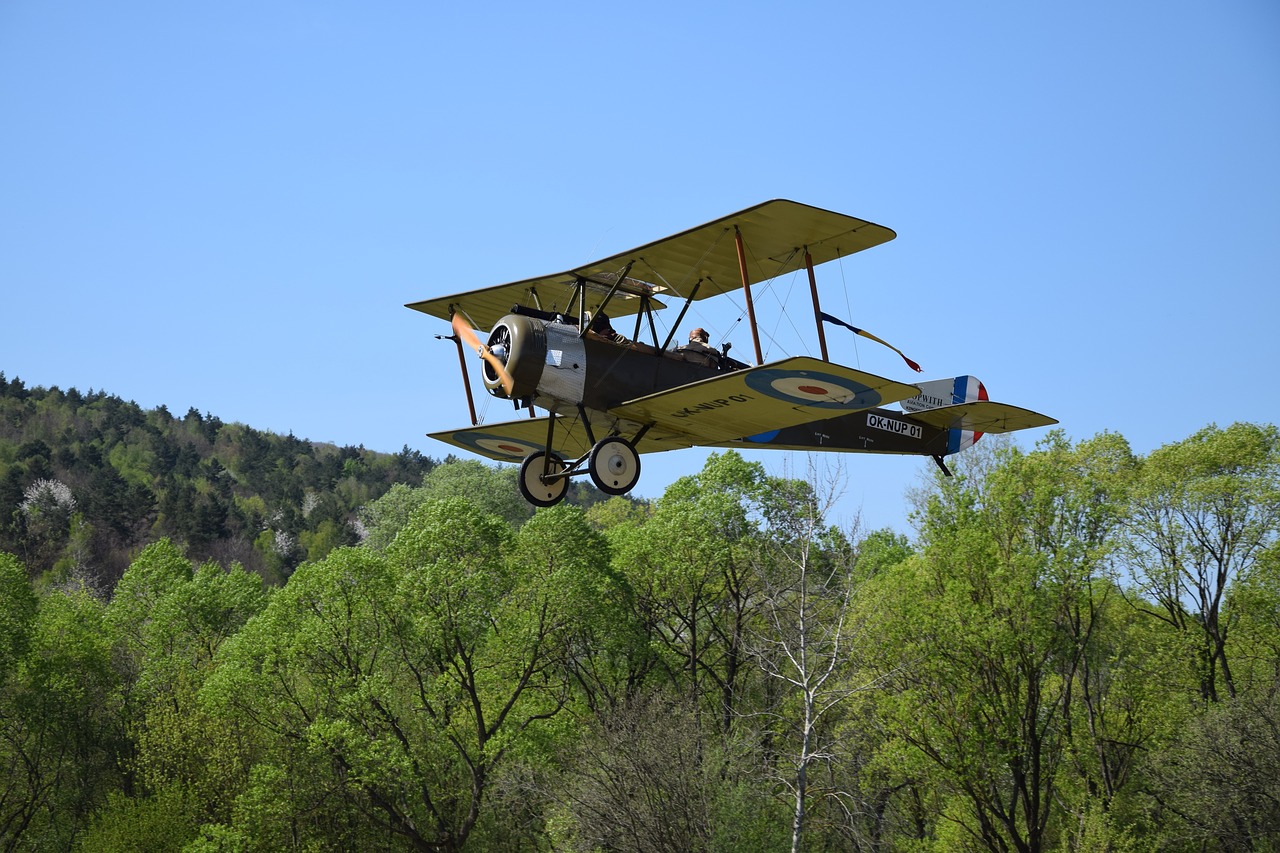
{"points": [[512, 441], [726, 407], [772, 396]]}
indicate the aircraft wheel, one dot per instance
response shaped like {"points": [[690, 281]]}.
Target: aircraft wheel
{"points": [[534, 490], [614, 465]]}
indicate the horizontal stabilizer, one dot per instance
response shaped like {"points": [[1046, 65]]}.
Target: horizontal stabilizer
{"points": [[982, 416]]}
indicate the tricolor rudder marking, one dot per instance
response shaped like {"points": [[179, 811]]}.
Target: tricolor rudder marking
{"points": [[967, 389]]}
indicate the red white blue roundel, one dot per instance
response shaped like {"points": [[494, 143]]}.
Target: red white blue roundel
{"points": [[814, 388], [487, 444]]}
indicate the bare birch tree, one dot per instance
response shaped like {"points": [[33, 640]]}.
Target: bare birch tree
{"points": [[807, 572]]}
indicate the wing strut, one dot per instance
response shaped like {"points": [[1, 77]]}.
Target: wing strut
{"points": [[746, 288], [946, 472], [466, 382], [689, 301], [817, 310], [586, 423], [582, 299], [551, 431]]}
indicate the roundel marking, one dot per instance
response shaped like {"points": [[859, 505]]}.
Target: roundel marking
{"points": [[487, 443], [812, 388], [764, 437]]}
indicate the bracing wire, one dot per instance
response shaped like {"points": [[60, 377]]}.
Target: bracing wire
{"points": [[767, 289], [848, 308], [692, 272]]}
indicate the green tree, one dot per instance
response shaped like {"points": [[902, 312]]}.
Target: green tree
{"points": [[1255, 603], [618, 511], [639, 781], [156, 572], [167, 622], [18, 606], [1221, 780], [1205, 511], [59, 700], [20, 798], [383, 518], [493, 488], [690, 566], [992, 624], [400, 684]]}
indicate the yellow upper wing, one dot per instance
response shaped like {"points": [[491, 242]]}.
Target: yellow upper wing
{"points": [[775, 235]]}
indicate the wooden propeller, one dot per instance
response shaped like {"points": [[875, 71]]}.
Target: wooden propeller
{"points": [[463, 329]]}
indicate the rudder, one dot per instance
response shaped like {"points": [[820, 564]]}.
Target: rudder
{"points": [[937, 393]]}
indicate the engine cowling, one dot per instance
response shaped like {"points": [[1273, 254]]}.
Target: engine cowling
{"points": [[520, 343]]}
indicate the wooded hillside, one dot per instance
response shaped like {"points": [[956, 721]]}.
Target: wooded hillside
{"points": [[87, 479], [1078, 651]]}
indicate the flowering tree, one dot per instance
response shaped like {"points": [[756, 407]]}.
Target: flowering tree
{"points": [[47, 512]]}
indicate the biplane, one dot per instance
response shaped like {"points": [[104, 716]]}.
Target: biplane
{"points": [[608, 398]]}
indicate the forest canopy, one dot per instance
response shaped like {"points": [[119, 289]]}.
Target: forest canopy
{"points": [[1078, 649]]}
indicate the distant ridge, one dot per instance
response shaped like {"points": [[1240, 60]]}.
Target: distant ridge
{"points": [[87, 479]]}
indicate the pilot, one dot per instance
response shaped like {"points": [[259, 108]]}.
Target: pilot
{"points": [[698, 341], [699, 351], [601, 327]]}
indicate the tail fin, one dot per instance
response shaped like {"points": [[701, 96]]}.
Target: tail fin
{"points": [[949, 392], [945, 392]]}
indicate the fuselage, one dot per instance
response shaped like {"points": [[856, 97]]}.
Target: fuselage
{"points": [[558, 369]]}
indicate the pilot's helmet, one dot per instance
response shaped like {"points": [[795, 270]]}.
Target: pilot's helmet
{"points": [[699, 334], [600, 324]]}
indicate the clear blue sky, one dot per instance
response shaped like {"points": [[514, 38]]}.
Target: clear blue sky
{"points": [[227, 205]]}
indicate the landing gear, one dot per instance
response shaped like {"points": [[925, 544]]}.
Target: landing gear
{"points": [[542, 482], [612, 462], [614, 465]]}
